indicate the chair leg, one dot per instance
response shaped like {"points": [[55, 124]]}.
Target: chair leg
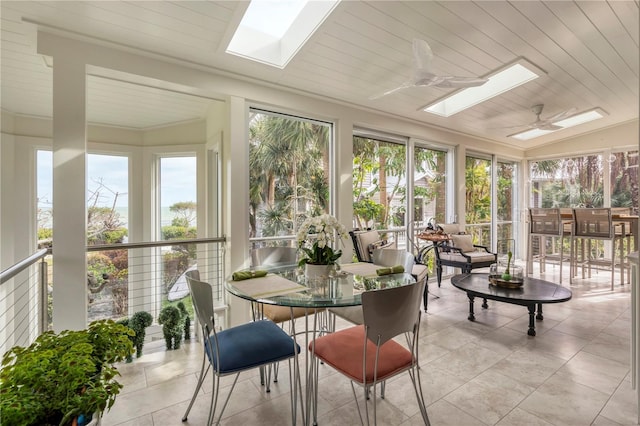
{"points": [[203, 374], [425, 298], [439, 274], [214, 399], [414, 373]]}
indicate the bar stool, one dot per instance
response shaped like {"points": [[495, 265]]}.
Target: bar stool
{"points": [[547, 223], [596, 224]]}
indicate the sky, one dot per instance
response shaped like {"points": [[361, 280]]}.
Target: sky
{"points": [[178, 179]]}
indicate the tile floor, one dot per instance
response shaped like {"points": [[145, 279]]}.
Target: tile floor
{"points": [[576, 371]]}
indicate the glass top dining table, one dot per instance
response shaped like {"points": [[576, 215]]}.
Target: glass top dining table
{"points": [[287, 285]]}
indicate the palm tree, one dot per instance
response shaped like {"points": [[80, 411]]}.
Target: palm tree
{"points": [[292, 155]]}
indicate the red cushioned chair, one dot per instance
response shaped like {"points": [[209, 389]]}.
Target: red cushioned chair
{"points": [[367, 354]]}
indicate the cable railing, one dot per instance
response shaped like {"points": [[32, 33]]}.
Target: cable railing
{"points": [[122, 279], [23, 288]]}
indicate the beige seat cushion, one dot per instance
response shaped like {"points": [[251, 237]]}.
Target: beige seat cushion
{"points": [[420, 272], [280, 314], [463, 242], [476, 256]]}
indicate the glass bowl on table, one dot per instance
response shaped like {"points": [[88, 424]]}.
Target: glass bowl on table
{"points": [[507, 275]]}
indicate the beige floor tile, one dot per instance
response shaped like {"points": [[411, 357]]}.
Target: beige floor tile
{"points": [[556, 343], [148, 400], [519, 417], [611, 347], [622, 408], [490, 396], [443, 413], [466, 362], [529, 367], [564, 402], [596, 372]]}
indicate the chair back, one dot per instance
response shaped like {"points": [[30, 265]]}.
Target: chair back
{"points": [[451, 228], [392, 311], [620, 210], [393, 257], [545, 221], [274, 256], [364, 242], [593, 223], [202, 298]]}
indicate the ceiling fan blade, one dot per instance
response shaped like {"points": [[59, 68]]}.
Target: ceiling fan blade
{"points": [[422, 56], [424, 77], [403, 86], [561, 115], [549, 126], [452, 81]]}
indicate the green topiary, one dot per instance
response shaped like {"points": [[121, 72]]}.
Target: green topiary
{"points": [[138, 323], [186, 319], [172, 326]]}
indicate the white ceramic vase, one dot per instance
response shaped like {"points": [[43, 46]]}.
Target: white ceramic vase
{"points": [[317, 271]]}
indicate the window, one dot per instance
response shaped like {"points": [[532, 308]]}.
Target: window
{"points": [[478, 182], [176, 210], [44, 197], [506, 207], [379, 183], [107, 223], [430, 186], [571, 182], [623, 167], [289, 171]]}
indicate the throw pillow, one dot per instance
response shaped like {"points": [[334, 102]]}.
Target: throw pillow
{"points": [[463, 242]]}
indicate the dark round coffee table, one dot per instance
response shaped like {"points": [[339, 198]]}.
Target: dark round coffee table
{"points": [[534, 292]]}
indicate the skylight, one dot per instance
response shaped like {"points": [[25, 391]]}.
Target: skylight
{"points": [[574, 120], [272, 31], [499, 82]]}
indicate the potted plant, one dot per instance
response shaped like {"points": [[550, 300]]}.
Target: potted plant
{"points": [[61, 377], [314, 238]]}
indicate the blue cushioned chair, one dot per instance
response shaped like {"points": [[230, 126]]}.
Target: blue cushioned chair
{"points": [[236, 349]]}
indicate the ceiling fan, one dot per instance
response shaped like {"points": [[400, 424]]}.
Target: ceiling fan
{"points": [[423, 74], [546, 123]]}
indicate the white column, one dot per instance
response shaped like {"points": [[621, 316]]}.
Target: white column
{"points": [[343, 183], [69, 193], [235, 165]]}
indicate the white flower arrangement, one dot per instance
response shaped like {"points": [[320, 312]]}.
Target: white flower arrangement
{"points": [[315, 237]]}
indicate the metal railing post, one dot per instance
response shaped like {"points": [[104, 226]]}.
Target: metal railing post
{"points": [[43, 308]]}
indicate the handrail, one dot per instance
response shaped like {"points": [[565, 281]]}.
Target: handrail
{"points": [[16, 268], [156, 244]]}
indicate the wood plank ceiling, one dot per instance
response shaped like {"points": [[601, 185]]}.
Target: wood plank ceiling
{"points": [[588, 49]]}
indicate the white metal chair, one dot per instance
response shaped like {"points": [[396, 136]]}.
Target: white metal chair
{"points": [[367, 354], [382, 257], [365, 243], [236, 349]]}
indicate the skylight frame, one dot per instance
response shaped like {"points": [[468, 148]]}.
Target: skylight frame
{"points": [[571, 121], [466, 98], [253, 43]]}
